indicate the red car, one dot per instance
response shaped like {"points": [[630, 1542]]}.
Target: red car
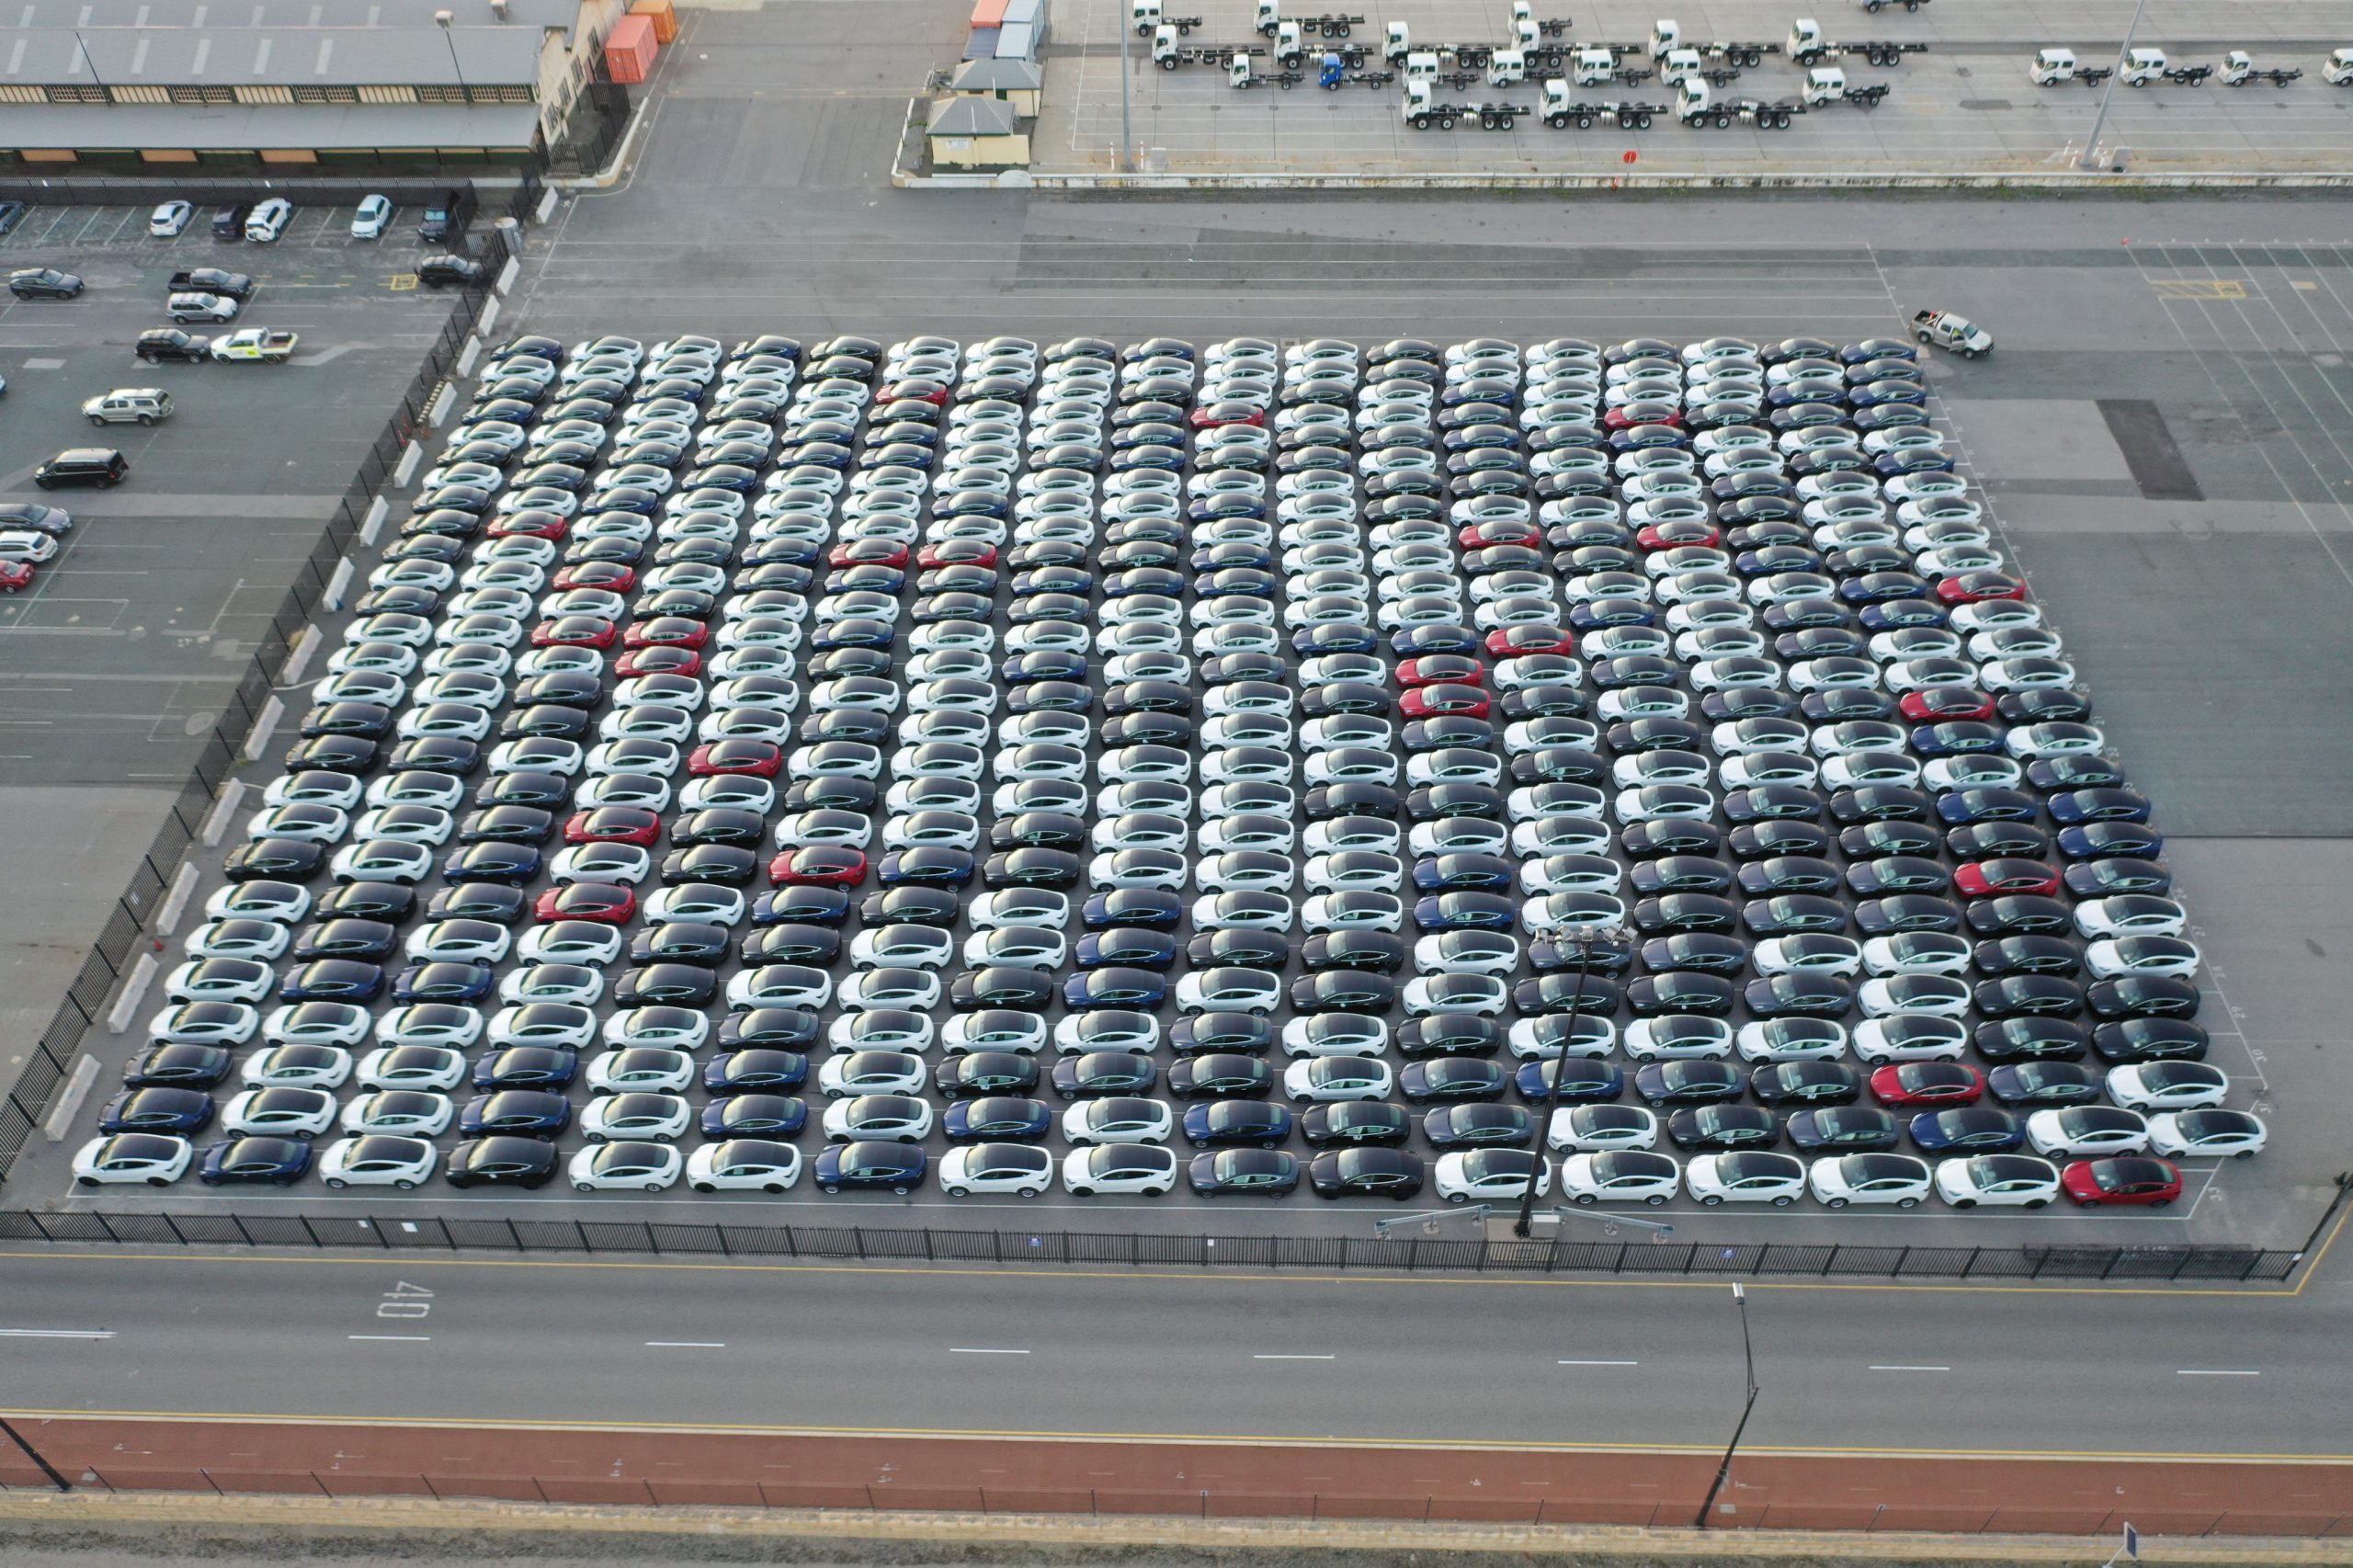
{"points": [[1217, 415], [15, 575], [919, 390], [606, 903], [610, 575], [819, 865], [1433, 668], [1681, 531], [613, 824], [1976, 587], [1989, 878], [1643, 410], [1478, 536], [665, 631], [659, 662], [1446, 698], [1534, 637], [2122, 1179], [1929, 1084], [957, 552], [575, 631], [1935, 703], [868, 552], [763, 758], [529, 525]]}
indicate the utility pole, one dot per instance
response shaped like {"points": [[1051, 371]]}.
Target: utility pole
{"points": [[1585, 945], [1748, 1355], [2091, 143], [1126, 122], [445, 18]]}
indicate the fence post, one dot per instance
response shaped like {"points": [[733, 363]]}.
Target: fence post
{"points": [[930, 1257], [308, 1231], [857, 1234]]}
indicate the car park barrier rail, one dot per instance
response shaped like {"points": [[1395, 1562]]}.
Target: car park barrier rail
{"points": [[123, 935], [685, 1241]]}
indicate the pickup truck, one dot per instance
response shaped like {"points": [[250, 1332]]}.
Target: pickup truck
{"points": [[212, 280], [170, 343], [255, 343], [1946, 330]]}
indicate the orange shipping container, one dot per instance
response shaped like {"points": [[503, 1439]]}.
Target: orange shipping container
{"points": [[663, 15], [989, 13], [629, 48]]}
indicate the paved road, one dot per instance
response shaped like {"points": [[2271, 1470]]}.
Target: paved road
{"points": [[1474, 1361]]}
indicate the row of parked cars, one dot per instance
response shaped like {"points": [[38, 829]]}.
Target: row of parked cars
{"points": [[1658, 616]]}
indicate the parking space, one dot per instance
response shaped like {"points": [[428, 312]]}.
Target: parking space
{"points": [[1965, 102], [315, 227], [1107, 549]]}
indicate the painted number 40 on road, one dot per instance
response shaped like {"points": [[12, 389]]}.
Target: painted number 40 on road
{"points": [[406, 1301]]}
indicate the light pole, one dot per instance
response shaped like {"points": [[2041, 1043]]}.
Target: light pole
{"points": [[444, 18], [2123, 55], [1599, 938], [1126, 124], [1748, 1356]]}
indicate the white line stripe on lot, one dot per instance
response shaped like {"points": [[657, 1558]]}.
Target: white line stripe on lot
{"points": [[686, 1344], [2214, 1372], [1325, 1358], [1597, 1363], [982, 1350], [1911, 1368], [395, 1338], [57, 1333]]}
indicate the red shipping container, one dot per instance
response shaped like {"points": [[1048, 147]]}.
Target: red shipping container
{"points": [[629, 48], [989, 13]]}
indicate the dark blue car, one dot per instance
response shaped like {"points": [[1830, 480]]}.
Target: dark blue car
{"points": [[1464, 872], [1583, 1079], [1051, 663], [157, 1110], [1151, 908], [1131, 946], [1593, 615], [1464, 912], [867, 1164], [807, 906], [997, 1118], [519, 1113], [509, 865], [1218, 1124], [333, 980], [1335, 637], [754, 1115], [1967, 1130], [1957, 737], [2104, 840], [1116, 987], [759, 1068], [527, 1067], [279, 1160], [461, 983], [1441, 637], [931, 866]]}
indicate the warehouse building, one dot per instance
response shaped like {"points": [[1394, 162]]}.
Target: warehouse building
{"points": [[299, 85]]}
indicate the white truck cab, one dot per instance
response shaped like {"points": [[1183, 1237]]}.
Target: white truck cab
{"points": [[2051, 66], [1164, 47], [1399, 42], [1679, 65], [1805, 33], [1665, 33], [1237, 70], [1421, 66], [1593, 67], [2142, 66], [2339, 69], [1144, 15], [1825, 85], [1268, 13], [1506, 66], [1694, 99]]}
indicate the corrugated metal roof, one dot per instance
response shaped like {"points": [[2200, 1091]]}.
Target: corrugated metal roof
{"points": [[486, 57], [102, 127], [395, 15], [997, 76], [970, 117]]}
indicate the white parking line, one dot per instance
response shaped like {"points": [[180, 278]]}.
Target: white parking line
{"points": [[982, 1350], [1597, 1363], [686, 1344], [1911, 1368], [396, 1338], [1325, 1358], [2216, 1372], [57, 1333]]}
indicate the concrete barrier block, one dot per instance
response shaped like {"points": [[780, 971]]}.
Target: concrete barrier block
{"points": [[468, 354], [438, 409], [69, 1099], [405, 470], [338, 584], [508, 273], [271, 712], [126, 1006], [233, 794], [378, 510], [489, 317], [175, 905]]}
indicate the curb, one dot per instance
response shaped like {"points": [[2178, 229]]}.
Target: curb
{"points": [[2015, 183], [42, 1518]]}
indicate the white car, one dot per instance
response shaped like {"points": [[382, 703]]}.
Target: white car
{"points": [[1838, 1180], [205, 1023], [152, 1158], [259, 940], [628, 1166], [412, 1067], [895, 1119], [638, 1115], [1619, 1175], [2008, 1181], [1593, 1129], [1911, 1037], [1020, 907], [781, 985], [441, 1024], [1017, 947], [2131, 914], [1490, 1176], [1813, 953], [298, 1066], [460, 941], [1938, 995], [1119, 1118], [377, 1159], [2088, 1130], [589, 941], [1746, 1176], [1482, 995], [318, 1023], [268, 220], [1021, 1169], [169, 219], [1230, 989], [1678, 1036], [1467, 953], [917, 989], [1918, 952], [871, 1073], [285, 903], [409, 1113], [2199, 1134], [1120, 1169], [370, 218], [741, 1165], [2167, 1085], [1321, 1079], [993, 1028], [382, 860], [557, 1025], [904, 945], [647, 1069], [2171, 956]]}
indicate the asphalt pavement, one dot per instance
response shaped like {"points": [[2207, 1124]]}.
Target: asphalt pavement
{"points": [[1882, 1369]]}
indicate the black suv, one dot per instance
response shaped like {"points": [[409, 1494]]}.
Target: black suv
{"points": [[163, 342], [101, 466]]}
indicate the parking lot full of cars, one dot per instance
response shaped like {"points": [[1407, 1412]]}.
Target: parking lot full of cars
{"points": [[1402, 771]]}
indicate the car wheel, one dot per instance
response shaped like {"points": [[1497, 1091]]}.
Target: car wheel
{"points": [[901, 1191], [828, 1187], [959, 1192], [1921, 335], [1081, 1192], [101, 424], [1458, 1198], [209, 1181], [1026, 1192], [403, 1184], [1586, 1201], [144, 419], [2039, 1203], [584, 1186], [339, 1184], [1970, 1203], [1783, 1201], [1711, 1201], [1907, 1203], [1826, 1203], [1157, 1191]]}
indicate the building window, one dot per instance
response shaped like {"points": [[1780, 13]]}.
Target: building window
{"points": [[440, 94], [15, 93], [77, 95], [386, 94], [263, 95], [140, 93]]}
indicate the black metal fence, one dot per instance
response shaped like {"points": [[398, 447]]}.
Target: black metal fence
{"points": [[512, 196], [600, 119], [50, 1056], [1086, 1248]]}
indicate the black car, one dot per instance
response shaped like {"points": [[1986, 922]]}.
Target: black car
{"points": [[1360, 1122], [501, 1162], [1805, 1084], [1370, 1172], [43, 283], [1843, 1129]]}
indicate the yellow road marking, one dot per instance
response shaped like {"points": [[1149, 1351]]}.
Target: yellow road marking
{"points": [[2199, 288]]}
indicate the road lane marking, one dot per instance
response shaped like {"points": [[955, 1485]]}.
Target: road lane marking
{"points": [[2214, 1372], [58, 1332], [686, 1344], [982, 1350], [1325, 1358], [1911, 1368], [1597, 1363], [401, 1338]]}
